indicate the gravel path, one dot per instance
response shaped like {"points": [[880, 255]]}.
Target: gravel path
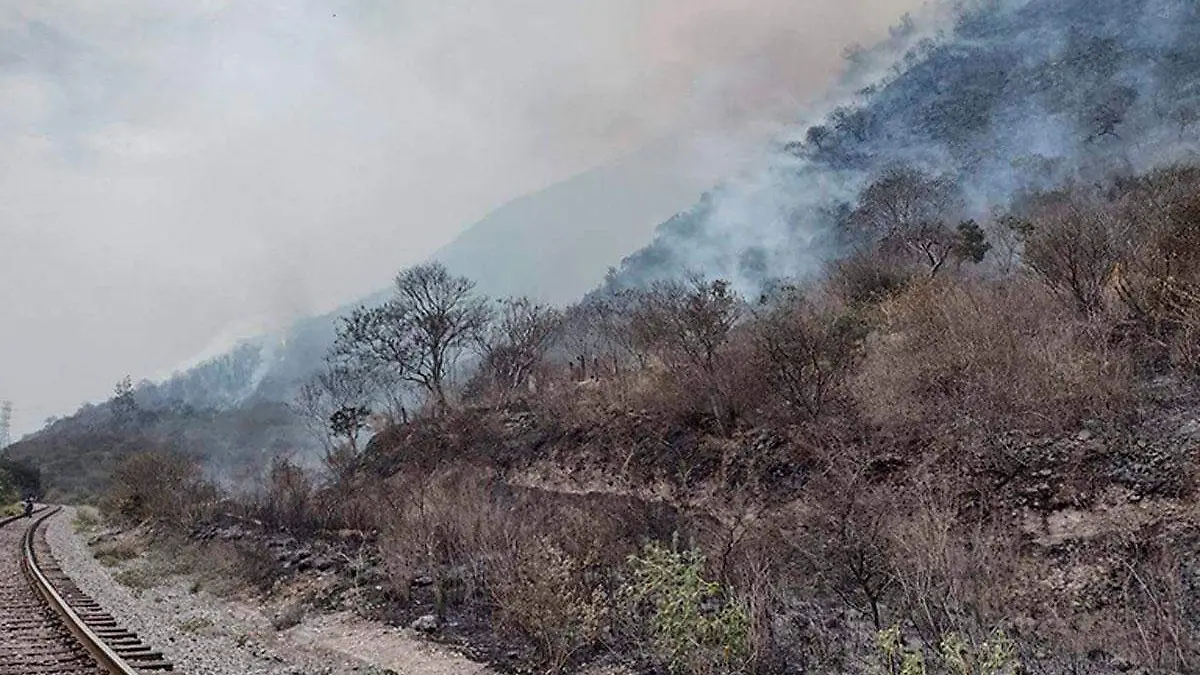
{"points": [[207, 635]]}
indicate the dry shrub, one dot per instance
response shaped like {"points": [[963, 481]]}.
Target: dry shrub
{"points": [[354, 505], [845, 542], [689, 329], [951, 577], [111, 552], [257, 566], [988, 356], [1158, 279], [868, 277], [807, 350], [719, 399], [556, 600], [288, 498], [746, 556], [1153, 622], [1073, 244], [545, 564], [160, 485], [441, 526]]}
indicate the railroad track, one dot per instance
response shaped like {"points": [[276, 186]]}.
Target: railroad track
{"points": [[47, 625]]}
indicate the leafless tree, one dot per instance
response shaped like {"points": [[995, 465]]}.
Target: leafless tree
{"points": [[1073, 245], [809, 351], [1158, 277], [846, 539], [334, 403], [597, 337], [421, 332], [517, 341], [910, 210], [688, 327], [686, 323]]}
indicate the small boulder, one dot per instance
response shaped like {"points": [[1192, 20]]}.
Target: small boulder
{"points": [[427, 623]]}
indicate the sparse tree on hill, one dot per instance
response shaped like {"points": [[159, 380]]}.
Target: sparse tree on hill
{"points": [[124, 406], [909, 210], [517, 341], [419, 334]]}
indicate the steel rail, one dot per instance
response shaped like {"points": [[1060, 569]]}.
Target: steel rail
{"points": [[105, 657]]}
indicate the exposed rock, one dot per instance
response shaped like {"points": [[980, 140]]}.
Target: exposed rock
{"points": [[427, 623]]}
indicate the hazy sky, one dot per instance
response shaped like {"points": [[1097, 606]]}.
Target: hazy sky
{"points": [[173, 174]]}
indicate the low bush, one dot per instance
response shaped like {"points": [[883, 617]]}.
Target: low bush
{"points": [[976, 356], [158, 485], [694, 625], [546, 594], [954, 654]]}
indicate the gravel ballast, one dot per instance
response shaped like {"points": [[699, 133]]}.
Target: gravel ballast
{"points": [[208, 635]]}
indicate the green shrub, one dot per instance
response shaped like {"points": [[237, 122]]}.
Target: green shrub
{"points": [[996, 655], [897, 659], [694, 625]]}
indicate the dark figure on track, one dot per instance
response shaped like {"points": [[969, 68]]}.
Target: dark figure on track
{"points": [[29, 507]]}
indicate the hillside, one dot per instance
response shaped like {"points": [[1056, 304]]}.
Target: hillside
{"points": [[1010, 96], [968, 442], [903, 464], [553, 245], [1004, 98]]}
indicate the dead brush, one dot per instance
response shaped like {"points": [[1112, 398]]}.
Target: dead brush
{"points": [[437, 523], [979, 355], [545, 594]]}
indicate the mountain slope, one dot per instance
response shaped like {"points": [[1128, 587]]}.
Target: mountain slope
{"points": [[554, 245], [1008, 95], [557, 244], [1011, 95]]}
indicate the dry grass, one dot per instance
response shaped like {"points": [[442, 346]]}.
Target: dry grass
{"points": [[118, 550], [87, 519], [969, 356]]}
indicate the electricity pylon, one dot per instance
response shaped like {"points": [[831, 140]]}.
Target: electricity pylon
{"points": [[5, 423]]}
